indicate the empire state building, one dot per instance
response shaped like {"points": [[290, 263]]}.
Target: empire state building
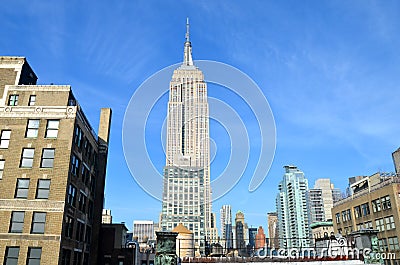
{"points": [[186, 190]]}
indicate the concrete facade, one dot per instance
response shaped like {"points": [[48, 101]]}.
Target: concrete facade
{"points": [[396, 160], [273, 233], [52, 170], [375, 204]]}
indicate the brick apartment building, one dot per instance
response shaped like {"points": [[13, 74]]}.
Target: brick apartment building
{"points": [[52, 171]]}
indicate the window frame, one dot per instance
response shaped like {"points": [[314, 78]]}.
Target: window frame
{"points": [[50, 130], [25, 159], [32, 129], [32, 260], [19, 188], [4, 139], [48, 159], [32, 102], [2, 164], [13, 100], [16, 222], [42, 189], [38, 223], [7, 256]]}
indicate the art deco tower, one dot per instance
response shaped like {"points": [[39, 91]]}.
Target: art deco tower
{"points": [[186, 191]]}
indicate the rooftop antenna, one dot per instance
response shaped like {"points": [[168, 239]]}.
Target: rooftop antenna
{"points": [[187, 30]]}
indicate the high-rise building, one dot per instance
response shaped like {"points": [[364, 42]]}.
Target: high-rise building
{"points": [[329, 195], [316, 203], [252, 237], [106, 217], [226, 225], [143, 230], [293, 209], [273, 232], [241, 236], [396, 160], [52, 166], [187, 191], [260, 238]]}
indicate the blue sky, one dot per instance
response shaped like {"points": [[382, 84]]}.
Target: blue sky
{"points": [[329, 69]]}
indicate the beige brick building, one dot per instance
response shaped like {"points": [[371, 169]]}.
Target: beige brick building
{"points": [[52, 171], [374, 203]]}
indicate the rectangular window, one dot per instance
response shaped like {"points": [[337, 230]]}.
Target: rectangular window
{"points": [[380, 225], [69, 226], [66, 257], [75, 162], [344, 216], [43, 189], [77, 258], [2, 163], [11, 256], [47, 158], [337, 218], [82, 202], [365, 209], [80, 231], [21, 190], [393, 243], [390, 222], [5, 138], [17, 222], [27, 157], [88, 237], [32, 100], [13, 100], [386, 203], [34, 255], [71, 195], [348, 212], [78, 137], [32, 128], [376, 205], [357, 211], [52, 128], [38, 223]]}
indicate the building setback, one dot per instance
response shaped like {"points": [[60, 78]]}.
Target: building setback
{"points": [[186, 187], [52, 171], [293, 209]]}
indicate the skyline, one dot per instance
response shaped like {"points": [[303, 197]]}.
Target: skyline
{"points": [[329, 71]]}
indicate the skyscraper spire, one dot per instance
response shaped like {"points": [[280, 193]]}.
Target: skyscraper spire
{"points": [[187, 56]]}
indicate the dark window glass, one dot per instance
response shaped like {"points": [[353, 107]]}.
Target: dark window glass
{"points": [[71, 195], [43, 189], [69, 226], [66, 257]]}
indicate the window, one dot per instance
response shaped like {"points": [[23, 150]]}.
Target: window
{"points": [[17, 222], [344, 216], [5, 138], [78, 136], [2, 162], [390, 223], [357, 211], [21, 191], [348, 213], [82, 202], [13, 100], [66, 257], [393, 243], [11, 256], [47, 158], [386, 203], [376, 205], [365, 209], [27, 157], [88, 237], [77, 257], [32, 100], [38, 223], [43, 189], [380, 225], [34, 256], [80, 231], [71, 195], [69, 226], [75, 162], [337, 218], [85, 174], [32, 128], [52, 128]]}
